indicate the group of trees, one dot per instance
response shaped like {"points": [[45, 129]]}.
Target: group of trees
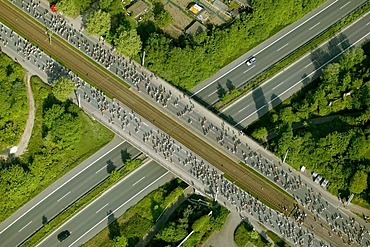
{"points": [[72, 7], [338, 148], [245, 233], [13, 102]]}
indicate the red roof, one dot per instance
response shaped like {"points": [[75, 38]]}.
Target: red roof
{"points": [[53, 8]]}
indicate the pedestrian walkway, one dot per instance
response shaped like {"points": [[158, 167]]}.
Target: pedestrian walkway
{"points": [[23, 143], [225, 237]]}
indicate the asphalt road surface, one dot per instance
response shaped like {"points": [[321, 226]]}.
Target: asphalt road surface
{"points": [[96, 168], [113, 203], [152, 113], [253, 105], [276, 48]]}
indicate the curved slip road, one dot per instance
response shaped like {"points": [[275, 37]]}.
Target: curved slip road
{"points": [[113, 86]]}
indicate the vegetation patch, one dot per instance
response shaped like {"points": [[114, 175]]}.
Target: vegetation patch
{"points": [[337, 147], [130, 227], [245, 234], [13, 102], [194, 216], [277, 240], [62, 137]]}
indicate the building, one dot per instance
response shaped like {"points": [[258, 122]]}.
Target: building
{"points": [[199, 12], [195, 28], [137, 9]]}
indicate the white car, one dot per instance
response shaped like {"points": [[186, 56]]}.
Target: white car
{"points": [[250, 61]]}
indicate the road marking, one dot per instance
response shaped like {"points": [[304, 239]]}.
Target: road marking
{"points": [[367, 23], [345, 5], [145, 124], [100, 169], [249, 69], [138, 181], [297, 27], [106, 217], [101, 208], [63, 196], [25, 226], [242, 110], [308, 65], [277, 85], [314, 26], [305, 77], [212, 93], [283, 47], [59, 188]]}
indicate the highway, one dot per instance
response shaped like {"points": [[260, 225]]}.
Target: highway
{"points": [[109, 206], [273, 50], [274, 91], [53, 200]]}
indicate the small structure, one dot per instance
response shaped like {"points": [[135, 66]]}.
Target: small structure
{"points": [[244, 3], [220, 5], [137, 9], [199, 12], [195, 28], [303, 168]]}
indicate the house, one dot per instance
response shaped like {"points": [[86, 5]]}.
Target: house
{"points": [[137, 9], [199, 12], [195, 28]]}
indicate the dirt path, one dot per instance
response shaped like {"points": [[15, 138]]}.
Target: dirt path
{"points": [[23, 143]]}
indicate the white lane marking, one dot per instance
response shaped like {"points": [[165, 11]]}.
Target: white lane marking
{"points": [[250, 115], [277, 85], [308, 65], [345, 5], [101, 208], [237, 66], [283, 47], [367, 23], [106, 217], [297, 27], [314, 26], [137, 181], [106, 192], [304, 78], [59, 188], [63, 196], [242, 109], [290, 66], [100, 169], [145, 124], [249, 69], [25, 226], [212, 93]]}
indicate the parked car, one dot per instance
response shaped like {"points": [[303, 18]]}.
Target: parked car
{"points": [[63, 235], [250, 61]]}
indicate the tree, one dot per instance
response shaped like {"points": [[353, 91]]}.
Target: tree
{"points": [[200, 224], [260, 133], [172, 233], [98, 22], [120, 241], [163, 19], [254, 235], [358, 182], [128, 43], [63, 88], [73, 7], [105, 4]]}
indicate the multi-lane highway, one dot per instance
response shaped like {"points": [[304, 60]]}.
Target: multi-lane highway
{"points": [[95, 217], [64, 192], [258, 102], [273, 50]]}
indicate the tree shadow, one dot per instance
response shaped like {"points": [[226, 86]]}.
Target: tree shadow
{"points": [[44, 220], [336, 45], [260, 102], [145, 29], [110, 166], [113, 226], [229, 85], [125, 156], [275, 100], [220, 91]]}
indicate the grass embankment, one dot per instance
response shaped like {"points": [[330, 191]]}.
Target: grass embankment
{"points": [[85, 200], [277, 240], [245, 234], [190, 216], [229, 98], [139, 219], [51, 153]]}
